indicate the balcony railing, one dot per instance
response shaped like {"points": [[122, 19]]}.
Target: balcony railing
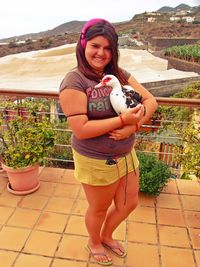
{"points": [[151, 139]]}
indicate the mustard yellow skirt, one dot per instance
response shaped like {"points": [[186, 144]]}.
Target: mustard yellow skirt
{"points": [[103, 172]]}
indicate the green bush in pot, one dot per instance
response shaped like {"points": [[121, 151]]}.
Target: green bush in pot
{"points": [[23, 143], [154, 174]]}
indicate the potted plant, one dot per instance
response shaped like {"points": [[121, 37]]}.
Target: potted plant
{"points": [[24, 107], [24, 146], [154, 174]]}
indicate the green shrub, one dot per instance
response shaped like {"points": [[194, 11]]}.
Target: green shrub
{"points": [[154, 174]]}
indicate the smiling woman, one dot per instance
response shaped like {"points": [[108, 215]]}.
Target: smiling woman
{"points": [[105, 160]]}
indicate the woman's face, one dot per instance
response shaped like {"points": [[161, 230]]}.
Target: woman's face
{"points": [[98, 53]]}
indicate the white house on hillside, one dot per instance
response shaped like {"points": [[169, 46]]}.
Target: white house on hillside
{"points": [[188, 19]]}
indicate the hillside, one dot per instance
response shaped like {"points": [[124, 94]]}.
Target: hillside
{"points": [[143, 26]]}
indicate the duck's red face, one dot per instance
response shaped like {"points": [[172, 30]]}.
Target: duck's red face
{"points": [[105, 80]]}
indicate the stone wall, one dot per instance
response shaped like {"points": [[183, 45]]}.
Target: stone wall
{"points": [[162, 43], [168, 88], [183, 65]]}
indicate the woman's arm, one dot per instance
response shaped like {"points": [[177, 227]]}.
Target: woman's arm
{"points": [[75, 102]]}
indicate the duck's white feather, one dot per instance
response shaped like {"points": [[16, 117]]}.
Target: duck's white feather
{"points": [[121, 98]]}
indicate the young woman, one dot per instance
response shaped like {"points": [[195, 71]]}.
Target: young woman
{"points": [[103, 142]]}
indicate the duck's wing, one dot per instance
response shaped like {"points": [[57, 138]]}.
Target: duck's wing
{"points": [[128, 87], [118, 102], [131, 93]]}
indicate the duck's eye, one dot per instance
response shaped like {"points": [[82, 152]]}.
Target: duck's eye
{"points": [[107, 79]]}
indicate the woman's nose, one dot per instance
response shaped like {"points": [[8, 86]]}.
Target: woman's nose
{"points": [[100, 51]]}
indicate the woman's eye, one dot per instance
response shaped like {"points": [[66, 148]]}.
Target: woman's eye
{"points": [[95, 46]]}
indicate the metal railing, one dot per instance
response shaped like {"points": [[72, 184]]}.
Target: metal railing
{"points": [[151, 139]]}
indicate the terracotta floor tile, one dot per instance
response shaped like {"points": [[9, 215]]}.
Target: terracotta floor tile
{"points": [[73, 247], [80, 207], [120, 232], [145, 200], [191, 202], [81, 194], [51, 174], [67, 263], [192, 218], [3, 183], [7, 257], [170, 217], [13, 238], [52, 222], [188, 187], [171, 187], [59, 205], [42, 243], [195, 237], [140, 255], [76, 225], [173, 236], [5, 213], [197, 257], [8, 199], [54, 208], [25, 260], [142, 232], [176, 257], [33, 201], [168, 201], [67, 190], [143, 214], [24, 218], [69, 178], [46, 188]]}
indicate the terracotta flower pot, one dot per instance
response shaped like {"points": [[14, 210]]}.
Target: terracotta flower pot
{"points": [[23, 180]]}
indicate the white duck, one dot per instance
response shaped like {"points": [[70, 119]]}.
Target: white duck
{"points": [[121, 97]]}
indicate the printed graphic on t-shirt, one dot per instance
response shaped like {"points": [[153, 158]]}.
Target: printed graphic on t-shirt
{"points": [[99, 101]]}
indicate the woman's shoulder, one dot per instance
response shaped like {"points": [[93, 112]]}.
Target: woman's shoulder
{"points": [[74, 79], [126, 73]]}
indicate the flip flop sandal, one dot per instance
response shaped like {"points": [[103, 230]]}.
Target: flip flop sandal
{"points": [[113, 248], [104, 263]]}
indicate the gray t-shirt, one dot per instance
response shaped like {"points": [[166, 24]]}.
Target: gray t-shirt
{"points": [[99, 107]]}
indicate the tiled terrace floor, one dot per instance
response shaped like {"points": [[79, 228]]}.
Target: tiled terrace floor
{"points": [[46, 228]]}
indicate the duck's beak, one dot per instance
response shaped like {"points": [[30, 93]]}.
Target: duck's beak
{"points": [[102, 83]]}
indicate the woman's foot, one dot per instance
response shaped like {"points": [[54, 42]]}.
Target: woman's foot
{"points": [[99, 254], [115, 247]]}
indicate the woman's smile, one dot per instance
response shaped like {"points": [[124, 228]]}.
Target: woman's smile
{"points": [[98, 53]]}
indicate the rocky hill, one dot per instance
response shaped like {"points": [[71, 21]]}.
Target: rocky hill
{"points": [[143, 26], [167, 9]]}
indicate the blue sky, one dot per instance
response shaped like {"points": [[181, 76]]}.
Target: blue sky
{"points": [[22, 16]]}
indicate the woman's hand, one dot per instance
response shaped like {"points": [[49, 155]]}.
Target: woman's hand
{"points": [[122, 133], [133, 115]]}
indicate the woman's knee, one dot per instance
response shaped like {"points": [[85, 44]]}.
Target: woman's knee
{"points": [[128, 206], [99, 210], [132, 203]]}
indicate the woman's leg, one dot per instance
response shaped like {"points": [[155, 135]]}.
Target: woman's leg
{"points": [[118, 212], [99, 199]]}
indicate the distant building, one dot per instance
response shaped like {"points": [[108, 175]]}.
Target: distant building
{"points": [[153, 14], [174, 18], [188, 19], [181, 13], [151, 19]]}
